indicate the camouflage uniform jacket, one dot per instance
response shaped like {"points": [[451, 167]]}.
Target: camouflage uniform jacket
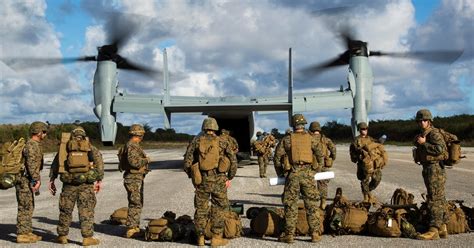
{"points": [[33, 155], [97, 160], [327, 146], [191, 156], [355, 150], [232, 142], [136, 158], [434, 148], [284, 149]]}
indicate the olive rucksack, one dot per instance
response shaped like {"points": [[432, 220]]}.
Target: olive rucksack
{"points": [[345, 217], [119, 216], [385, 222], [454, 147], [232, 226], [164, 229], [266, 221], [12, 163]]}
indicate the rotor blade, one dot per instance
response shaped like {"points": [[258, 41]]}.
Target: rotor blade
{"points": [[441, 56], [123, 63], [120, 29], [343, 59], [30, 63]]}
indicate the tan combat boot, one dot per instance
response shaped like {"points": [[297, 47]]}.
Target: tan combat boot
{"points": [[432, 234], [287, 238], [90, 241], [443, 231], [25, 238], [62, 239], [315, 237], [34, 236], [132, 232], [200, 240], [218, 240]]}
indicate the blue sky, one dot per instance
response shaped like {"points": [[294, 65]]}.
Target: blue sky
{"points": [[222, 57]]}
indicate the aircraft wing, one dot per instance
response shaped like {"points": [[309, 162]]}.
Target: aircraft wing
{"points": [[301, 102]]}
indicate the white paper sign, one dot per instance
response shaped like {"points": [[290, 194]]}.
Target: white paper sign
{"points": [[318, 176]]}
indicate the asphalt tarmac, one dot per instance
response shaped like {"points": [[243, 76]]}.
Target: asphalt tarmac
{"points": [[168, 188]]}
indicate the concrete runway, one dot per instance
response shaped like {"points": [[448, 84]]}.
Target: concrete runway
{"points": [[168, 188]]}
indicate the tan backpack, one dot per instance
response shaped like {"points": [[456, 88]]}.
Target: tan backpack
{"points": [[268, 222], [457, 222], [385, 222], [119, 216], [12, 162], [232, 226], [208, 153], [401, 197], [302, 226], [454, 147], [78, 156], [345, 217]]}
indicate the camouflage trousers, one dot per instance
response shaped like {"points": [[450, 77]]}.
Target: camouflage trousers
{"points": [[368, 181], [435, 179], [323, 184], [262, 165], [84, 195], [134, 186], [211, 189], [301, 180], [26, 206]]}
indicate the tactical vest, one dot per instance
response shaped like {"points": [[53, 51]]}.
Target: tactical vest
{"points": [[124, 165], [208, 152], [301, 150], [78, 159], [12, 163], [420, 155]]}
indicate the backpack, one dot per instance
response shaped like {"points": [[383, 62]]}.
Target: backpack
{"points": [[259, 146], [457, 222], [344, 217], [208, 153], [78, 156], [12, 162], [302, 226], [164, 229], [385, 222], [453, 146], [401, 197], [119, 216], [374, 156], [232, 226], [267, 221]]}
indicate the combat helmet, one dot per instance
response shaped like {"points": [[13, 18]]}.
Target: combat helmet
{"points": [[259, 133], [136, 130], [423, 114], [315, 126], [298, 119], [78, 131], [209, 124], [38, 127], [362, 125]]}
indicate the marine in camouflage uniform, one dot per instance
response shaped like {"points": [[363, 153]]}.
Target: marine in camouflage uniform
{"points": [[268, 142], [213, 186], [430, 152], [300, 178], [369, 180], [225, 135], [329, 152], [136, 167], [29, 182], [81, 192]]}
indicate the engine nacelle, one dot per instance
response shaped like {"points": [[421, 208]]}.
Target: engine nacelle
{"points": [[105, 87]]}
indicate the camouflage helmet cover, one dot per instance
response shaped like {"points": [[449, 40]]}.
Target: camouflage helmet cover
{"points": [[362, 125], [78, 131], [314, 126], [423, 114], [38, 127], [209, 124], [298, 119], [137, 130]]}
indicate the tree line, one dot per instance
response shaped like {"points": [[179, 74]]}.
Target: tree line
{"points": [[397, 131]]}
